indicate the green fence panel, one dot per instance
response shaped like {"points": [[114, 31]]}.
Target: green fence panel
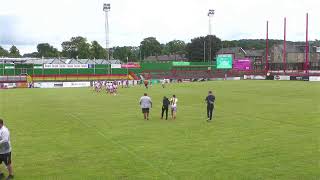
{"points": [[9, 72], [68, 71], [101, 71], [156, 66], [86, 71], [30, 71], [51, 71], [119, 71], [37, 71]]}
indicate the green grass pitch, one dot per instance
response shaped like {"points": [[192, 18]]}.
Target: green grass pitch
{"points": [[261, 130]]}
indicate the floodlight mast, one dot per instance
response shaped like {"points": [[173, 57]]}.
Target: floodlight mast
{"points": [[210, 15], [106, 9]]}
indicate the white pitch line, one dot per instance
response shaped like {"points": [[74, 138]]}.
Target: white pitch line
{"points": [[123, 147]]}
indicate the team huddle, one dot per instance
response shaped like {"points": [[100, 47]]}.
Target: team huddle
{"points": [[110, 87]]}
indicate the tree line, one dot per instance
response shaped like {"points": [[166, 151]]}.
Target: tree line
{"points": [[199, 49]]}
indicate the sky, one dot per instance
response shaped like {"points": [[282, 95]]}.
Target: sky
{"points": [[26, 23]]}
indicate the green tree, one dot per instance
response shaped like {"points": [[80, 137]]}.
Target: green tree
{"points": [[150, 47], [122, 53], [3, 52], [31, 55], [46, 50], [165, 49], [77, 47], [176, 47], [201, 47], [97, 51], [14, 52]]}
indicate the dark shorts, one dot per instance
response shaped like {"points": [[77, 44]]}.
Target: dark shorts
{"points": [[145, 110], [5, 158]]}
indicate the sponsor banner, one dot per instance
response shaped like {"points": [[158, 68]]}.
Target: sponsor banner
{"points": [[299, 78], [9, 67], [37, 67], [234, 78], [314, 78], [48, 85], [132, 66], [115, 66], [282, 78], [259, 77], [61, 84], [217, 79], [9, 85], [314, 71], [76, 84], [242, 64], [254, 77], [65, 66], [181, 63]]}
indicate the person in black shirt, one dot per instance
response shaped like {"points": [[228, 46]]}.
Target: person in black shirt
{"points": [[165, 107], [210, 105]]}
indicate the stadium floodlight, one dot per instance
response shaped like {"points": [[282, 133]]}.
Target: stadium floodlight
{"points": [[106, 9], [210, 15]]}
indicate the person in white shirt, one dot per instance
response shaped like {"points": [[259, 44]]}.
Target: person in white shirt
{"points": [[173, 104], [5, 150], [145, 103]]}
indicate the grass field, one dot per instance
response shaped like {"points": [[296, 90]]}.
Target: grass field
{"points": [[261, 130]]}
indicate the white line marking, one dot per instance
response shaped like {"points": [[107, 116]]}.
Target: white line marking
{"points": [[123, 147]]}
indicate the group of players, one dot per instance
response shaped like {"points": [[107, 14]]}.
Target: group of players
{"points": [[110, 87]]}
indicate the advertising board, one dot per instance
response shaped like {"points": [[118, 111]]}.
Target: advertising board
{"points": [[242, 64], [65, 66], [314, 78], [224, 61]]}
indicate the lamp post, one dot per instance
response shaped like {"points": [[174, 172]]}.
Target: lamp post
{"points": [[210, 15], [204, 50], [106, 9]]}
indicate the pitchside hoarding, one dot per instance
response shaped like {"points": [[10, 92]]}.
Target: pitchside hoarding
{"points": [[177, 63], [242, 64], [65, 66], [129, 66], [116, 66], [11, 66], [224, 61], [314, 78], [36, 66]]}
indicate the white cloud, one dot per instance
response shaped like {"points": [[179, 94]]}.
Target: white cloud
{"points": [[54, 21]]}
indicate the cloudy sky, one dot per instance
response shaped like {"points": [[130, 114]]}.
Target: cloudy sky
{"points": [[25, 23]]}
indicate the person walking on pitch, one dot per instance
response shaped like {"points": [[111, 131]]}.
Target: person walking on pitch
{"points": [[165, 107], [145, 103], [210, 99], [5, 150], [173, 103]]}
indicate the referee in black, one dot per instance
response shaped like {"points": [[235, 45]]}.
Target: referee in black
{"points": [[210, 105], [165, 107]]}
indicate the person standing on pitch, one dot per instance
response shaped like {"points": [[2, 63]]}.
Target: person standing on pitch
{"points": [[165, 107], [5, 150], [163, 83], [146, 104], [173, 103], [210, 105]]}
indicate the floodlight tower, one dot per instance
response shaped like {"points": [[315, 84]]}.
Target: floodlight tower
{"points": [[106, 9], [210, 15]]}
